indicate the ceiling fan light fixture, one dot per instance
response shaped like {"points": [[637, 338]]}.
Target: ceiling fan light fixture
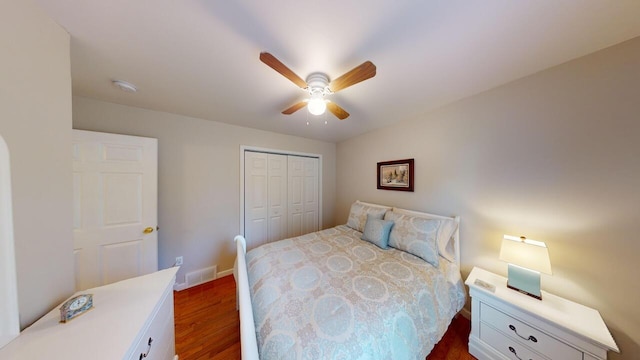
{"points": [[317, 105], [317, 84]]}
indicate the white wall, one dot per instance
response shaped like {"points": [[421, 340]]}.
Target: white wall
{"points": [[199, 177], [554, 156], [35, 121]]}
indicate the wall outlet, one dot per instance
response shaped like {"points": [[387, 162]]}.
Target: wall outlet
{"points": [[179, 260]]}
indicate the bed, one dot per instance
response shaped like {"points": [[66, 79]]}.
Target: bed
{"points": [[332, 295]]}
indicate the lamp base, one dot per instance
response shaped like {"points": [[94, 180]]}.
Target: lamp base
{"points": [[524, 281]]}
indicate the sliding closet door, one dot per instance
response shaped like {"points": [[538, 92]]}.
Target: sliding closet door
{"points": [[265, 198], [296, 196], [310, 206], [303, 195], [277, 228]]}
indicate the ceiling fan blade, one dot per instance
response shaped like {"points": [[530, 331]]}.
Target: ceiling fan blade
{"points": [[362, 72], [278, 66], [295, 108], [336, 110]]}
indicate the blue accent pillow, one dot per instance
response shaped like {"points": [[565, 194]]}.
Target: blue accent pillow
{"points": [[376, 231]]}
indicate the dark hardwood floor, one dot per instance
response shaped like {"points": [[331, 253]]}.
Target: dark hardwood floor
{"points": [[208, 326]]}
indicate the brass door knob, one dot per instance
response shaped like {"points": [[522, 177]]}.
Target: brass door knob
{"points": [[148, 230]]}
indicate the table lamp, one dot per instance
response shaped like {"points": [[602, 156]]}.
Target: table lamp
{"points": [[527, 259]]}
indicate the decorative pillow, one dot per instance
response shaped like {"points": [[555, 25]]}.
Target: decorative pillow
{"points": [[376, 231], [360, 210], [446, 230], [415, 235]]}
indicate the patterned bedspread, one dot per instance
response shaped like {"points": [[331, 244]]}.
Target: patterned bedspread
{"points": [[330, 295]]}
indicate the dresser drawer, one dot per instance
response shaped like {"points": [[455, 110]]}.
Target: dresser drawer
{"points": [[158, 336], [527, 335], [507, 346]]}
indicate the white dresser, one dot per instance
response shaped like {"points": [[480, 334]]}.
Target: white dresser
{"points": [[129, 319], [506, 324]]}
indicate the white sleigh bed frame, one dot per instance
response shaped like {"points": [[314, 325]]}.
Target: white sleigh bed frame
{"points": [[248, 340]]}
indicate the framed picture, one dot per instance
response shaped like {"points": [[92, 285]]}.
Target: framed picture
{"points": [[396, 175]]}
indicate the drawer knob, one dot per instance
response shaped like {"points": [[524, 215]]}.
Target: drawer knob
{"points": [[530, 338], [144, 355]]}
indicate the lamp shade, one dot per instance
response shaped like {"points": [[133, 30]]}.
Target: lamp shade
{"points": [[526, 253]]}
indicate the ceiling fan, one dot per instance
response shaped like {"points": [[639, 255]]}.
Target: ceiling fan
{"points": [[318, 85]]}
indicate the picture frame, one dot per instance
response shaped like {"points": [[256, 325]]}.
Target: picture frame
{"points": [[395, 175]]}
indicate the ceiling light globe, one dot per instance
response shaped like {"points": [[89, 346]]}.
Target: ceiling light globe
{"points": [[317, 106]]}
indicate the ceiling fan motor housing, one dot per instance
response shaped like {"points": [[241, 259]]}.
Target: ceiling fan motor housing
{"points": [[318, 83]]}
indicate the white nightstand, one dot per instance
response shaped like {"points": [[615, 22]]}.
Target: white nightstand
{"points": [[508, 325]]}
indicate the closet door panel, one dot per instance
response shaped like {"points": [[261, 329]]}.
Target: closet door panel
{"points": [[310, 193], [277, 197], [296, 196], [256, 201]]}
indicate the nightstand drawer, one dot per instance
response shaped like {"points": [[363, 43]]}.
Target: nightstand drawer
{"points": [[508, 347], [526, 335]]}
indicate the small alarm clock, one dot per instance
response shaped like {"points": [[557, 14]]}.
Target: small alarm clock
{"points": [[76, 306]]}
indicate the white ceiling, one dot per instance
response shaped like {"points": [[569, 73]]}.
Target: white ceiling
{"points": [[200, 58]]}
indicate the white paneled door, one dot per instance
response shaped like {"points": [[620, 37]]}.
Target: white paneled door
{"points": [[265, 198], [310, 192], [296, 195], [281, 196], [115, 190], [277, 228], [302, 195]]}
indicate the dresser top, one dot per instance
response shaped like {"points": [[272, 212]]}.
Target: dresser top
{"points": [[120, 311], [579, 319]]}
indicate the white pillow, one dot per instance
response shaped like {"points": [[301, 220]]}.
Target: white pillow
{"points": [[447, 228], [360, 210]]}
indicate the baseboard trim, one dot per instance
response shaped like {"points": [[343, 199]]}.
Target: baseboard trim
{"points": [[179, 287], [185, 285], [224, 273]]}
